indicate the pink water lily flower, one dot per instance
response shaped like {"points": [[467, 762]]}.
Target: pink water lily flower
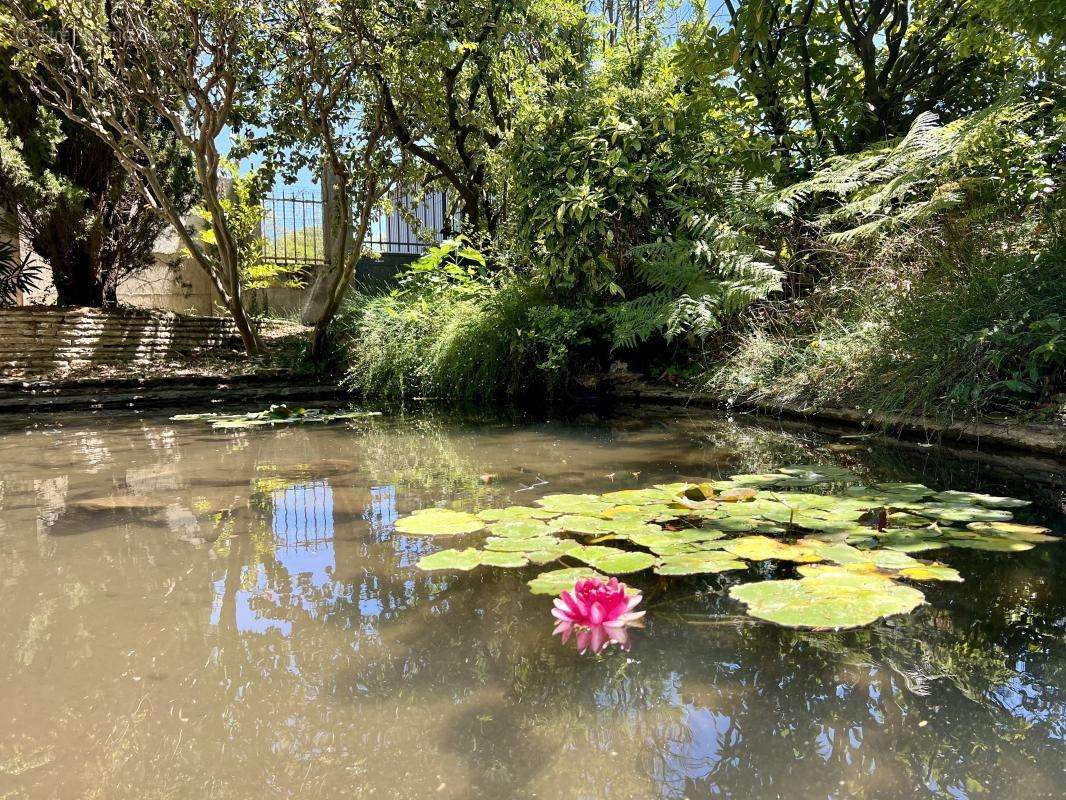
{"points": [[593, 602], [596, 637]]}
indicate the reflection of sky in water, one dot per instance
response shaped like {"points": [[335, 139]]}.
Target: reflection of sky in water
{"points": [[302, 526]]}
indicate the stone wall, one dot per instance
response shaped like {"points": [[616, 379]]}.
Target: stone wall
{"points": [[35, 340]]}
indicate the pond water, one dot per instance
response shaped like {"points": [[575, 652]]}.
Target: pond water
{"points": [[258, 630]]}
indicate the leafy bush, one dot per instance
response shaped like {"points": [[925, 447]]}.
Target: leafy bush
{"points": [[455, 333]]}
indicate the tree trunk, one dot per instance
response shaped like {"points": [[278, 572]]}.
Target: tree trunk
{"points": [[245, 328]]}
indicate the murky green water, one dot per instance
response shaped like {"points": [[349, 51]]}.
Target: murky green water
{"points": [[259, 631]]}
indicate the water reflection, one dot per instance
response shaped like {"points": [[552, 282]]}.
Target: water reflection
{"points": [[262, 631]]}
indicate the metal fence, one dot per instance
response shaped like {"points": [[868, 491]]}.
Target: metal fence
{"points": [[294, 231]]}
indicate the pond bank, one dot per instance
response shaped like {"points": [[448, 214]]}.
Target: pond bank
{"points": [[1043, 438], [19, 396]]}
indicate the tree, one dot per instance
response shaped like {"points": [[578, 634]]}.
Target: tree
{"points": [[818, 77], [326, 111], [196, 64], [450, 74], [71, 198]]}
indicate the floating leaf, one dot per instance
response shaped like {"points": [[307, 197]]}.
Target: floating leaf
{"points": [[560, 580], [698, 563], [576, 523], [956, 513], [521, 545], [613, 561], [834, 600], [931, 572], [451, 559], [997, 544], [753, 481], [822, 472], [1014, 530], [504, 560], [439, 522], [573, 503], [637, 497], [514, 514], [521, 529], [984, 499], [761, 548], [739, 495]]}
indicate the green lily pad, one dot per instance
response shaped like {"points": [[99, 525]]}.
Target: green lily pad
{"points": [[741, 525], [576, 523], [835, 600], [491, 558], [439, 522], [958, 513], [613, 561], [761, 548], [521, 529], [661, 538], [514, 514], [996, 544], [1014, 530], [573, 503], [558, 581], [824, 473], [451, 559], [932, 572], [983, 499], [698, 563], [638, 497], [507, 544], [754, 481]]}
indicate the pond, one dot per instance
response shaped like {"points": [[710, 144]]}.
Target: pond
{"points": [[253, 626]]}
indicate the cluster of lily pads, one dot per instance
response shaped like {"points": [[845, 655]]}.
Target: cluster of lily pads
{"points": [[279, 414], [853, 548]]}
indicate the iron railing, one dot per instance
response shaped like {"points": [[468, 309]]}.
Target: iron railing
{"points": [[294, 233]]}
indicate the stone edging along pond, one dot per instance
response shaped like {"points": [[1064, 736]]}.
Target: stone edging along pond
{"points": [[1049, 439]]}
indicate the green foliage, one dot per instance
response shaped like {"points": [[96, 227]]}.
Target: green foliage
{"points": [[474, 341], [16, 274], [245, 216], [996, 156]]}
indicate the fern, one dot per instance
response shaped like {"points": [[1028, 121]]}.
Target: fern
{"points": [[705, 274], [933, 168]]}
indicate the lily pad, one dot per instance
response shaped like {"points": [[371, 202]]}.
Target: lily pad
{"points": [[612, 560], [1014, 530], [439, 522], [738, 495], [996, 544], [506, 544], [835, 600], [514, 514], [637, 497], [451, 559], [959, 513], [983, 499], [932, 572], [576, 523], [761, 548], [698, 563], [491, 558], [521, 529], [573, 503], [558, 581]]}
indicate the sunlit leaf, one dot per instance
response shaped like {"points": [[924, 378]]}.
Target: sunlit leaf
{"points": [[835, 600], [439, 522], [560, 580]]}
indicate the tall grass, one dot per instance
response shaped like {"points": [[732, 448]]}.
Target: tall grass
{"points": [[469, 344]]}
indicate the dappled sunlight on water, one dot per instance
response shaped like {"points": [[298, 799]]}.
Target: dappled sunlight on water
{"points": [[250, 625]]}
